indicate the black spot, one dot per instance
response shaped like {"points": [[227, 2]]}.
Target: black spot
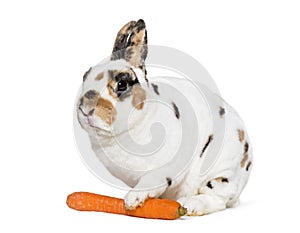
{"points": [[209, 185], [122, 38], [140, 25], [90, 94], [176, 110], [246, 147], [91, 112], [210, 138], [248, 165], [224, 180], [142, 67], [169, 181], [119, 50], [145, 37], [129, 52], [221, 111], [86, 74], [155, 88], [144, 50], [81, 101]]}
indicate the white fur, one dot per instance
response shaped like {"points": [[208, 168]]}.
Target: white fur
{"points": [[147, 174], [178, 145]]}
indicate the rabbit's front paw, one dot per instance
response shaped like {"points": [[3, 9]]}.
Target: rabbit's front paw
{"points": [[134, 199], [194, 205]]}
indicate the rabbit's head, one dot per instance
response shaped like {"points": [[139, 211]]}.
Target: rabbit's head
{"points": [[113, 91]]}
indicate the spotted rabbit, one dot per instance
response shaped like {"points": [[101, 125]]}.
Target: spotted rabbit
{"points": [[119, 105]]}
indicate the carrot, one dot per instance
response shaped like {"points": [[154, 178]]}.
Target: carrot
{"points": [[152, 208]]}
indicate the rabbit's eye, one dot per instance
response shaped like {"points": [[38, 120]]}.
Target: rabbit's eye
{"points": [[122, 85]]}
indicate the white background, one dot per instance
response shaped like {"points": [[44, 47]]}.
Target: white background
{"points": [[251, 49]]}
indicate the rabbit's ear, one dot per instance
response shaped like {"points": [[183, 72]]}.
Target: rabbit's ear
{"points": [[131, 43]]}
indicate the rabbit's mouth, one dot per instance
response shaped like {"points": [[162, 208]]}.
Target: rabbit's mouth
{"points": [[100, 129], [92, 125]]}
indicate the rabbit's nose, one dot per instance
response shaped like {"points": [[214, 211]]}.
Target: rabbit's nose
{"points": [[90, 94], [91, 112], [88, 114]]}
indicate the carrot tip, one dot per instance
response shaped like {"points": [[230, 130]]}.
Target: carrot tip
{"points": [[182, 211]]}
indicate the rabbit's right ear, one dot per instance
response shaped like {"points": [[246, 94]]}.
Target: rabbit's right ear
{"points": [[131, 43]]}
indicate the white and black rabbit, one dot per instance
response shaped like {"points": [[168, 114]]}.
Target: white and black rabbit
{"points": [[117, 108]]}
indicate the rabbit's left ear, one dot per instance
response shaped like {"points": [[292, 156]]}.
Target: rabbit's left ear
{"points": [[131, 43]]}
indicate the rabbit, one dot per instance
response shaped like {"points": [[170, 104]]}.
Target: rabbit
{"points": [[115, 111]]}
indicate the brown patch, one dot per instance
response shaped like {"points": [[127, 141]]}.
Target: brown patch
{"points": [[248, 165], [222, 180], [105, 110], [99, 76], [243, 162], [241, 135], [199, 191], [111, 87], [137, 39], [139, 96]]}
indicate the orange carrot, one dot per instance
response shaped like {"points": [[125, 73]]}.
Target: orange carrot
{"points": [[152, 208]]}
